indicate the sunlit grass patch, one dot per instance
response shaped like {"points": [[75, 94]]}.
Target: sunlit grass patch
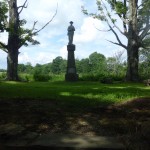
{"points": [[75, 93]]}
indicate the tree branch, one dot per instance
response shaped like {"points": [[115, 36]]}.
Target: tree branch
{"points": [[3, 47], [103, 30], [33, 28], [47, 22], [109, 16], [117, 37], [145, 32], [116, 44], [23, 6]]}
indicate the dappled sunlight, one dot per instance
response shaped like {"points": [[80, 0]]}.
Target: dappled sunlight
{"points": [[65, 93], [12, 82], [78, 92], [95, 88]]}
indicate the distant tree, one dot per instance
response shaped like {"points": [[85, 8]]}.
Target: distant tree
{"points": [[63, 66], [116, 65], [46, 68], [58, 65], [83, 65], [97, 62], [29, 68], [38, 68], [21, 68], [18, 36], [39, 74], [144, 65], [135, 18]]}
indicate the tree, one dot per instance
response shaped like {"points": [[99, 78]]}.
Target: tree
{"points": [[115, 64], [144, 59], [18, 36], [83, 66], [135, 20], [58, 65], [21, 68], [97, 62]]}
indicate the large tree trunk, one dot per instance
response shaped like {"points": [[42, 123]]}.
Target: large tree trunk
{"points": [[12, 66], [13, 41], [133, 44], [132, 63]]}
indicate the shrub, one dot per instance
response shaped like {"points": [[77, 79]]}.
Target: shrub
{"points": [[2, 75], [103, 78], [41, 77], [91, 77], [25, 77]]}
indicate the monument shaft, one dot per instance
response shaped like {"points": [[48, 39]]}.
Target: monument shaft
{"points": [[71, 74]]}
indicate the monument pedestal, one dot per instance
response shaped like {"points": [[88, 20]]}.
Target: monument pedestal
{"points": [[71, 74]]}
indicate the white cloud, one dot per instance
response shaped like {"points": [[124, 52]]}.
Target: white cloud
{"points": [[88, 31], [3, 62], [63, 52], [40, 58]]}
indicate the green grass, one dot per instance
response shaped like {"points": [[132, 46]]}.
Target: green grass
{"points": [[75, 108], [80, 93]]}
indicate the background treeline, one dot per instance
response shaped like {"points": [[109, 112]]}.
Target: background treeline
{"points": [[94, 68]]}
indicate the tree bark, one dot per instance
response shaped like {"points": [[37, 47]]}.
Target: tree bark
{"points": [[132, 63], [12, 66], [133, 44], [13, 41]]}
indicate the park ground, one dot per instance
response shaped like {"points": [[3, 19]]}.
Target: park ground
{"points": [[79, 108]]}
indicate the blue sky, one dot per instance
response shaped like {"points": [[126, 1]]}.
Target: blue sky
{"points": [[54, 38]]}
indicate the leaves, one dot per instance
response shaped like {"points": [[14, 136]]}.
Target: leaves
{"points": [[3, 16], [120, 8]]}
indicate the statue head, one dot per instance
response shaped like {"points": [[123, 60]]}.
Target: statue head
{"points": [[71, 22]]}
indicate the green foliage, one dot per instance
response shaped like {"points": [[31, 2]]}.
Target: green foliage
{"points": [[93, 68], [39, 75], [77, 94], [144, 69], [120, 8], [89, 77], [97, 62], [3, 15], [58, 65], [2, 75], [25, 35], [22, 68], [25, 77], [83, 65], [103, 78]]}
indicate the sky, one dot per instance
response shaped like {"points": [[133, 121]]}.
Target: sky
{"points": [[53, 39]]}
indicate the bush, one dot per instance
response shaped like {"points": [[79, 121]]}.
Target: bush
{"points": [[25, 77], [103, 78], [2, 75], [117, 77], [107, 80], [91, 77], [41, 77]]}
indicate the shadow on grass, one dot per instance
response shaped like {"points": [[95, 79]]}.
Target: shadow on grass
{"points": [[75, 109]]}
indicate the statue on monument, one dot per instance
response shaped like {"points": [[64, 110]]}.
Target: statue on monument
{"points": [[70, 34]]}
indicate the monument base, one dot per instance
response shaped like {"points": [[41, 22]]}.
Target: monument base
{"points": [[71, 77]]}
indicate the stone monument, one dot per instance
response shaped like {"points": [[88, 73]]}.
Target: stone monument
{"points": [[71, 74]]}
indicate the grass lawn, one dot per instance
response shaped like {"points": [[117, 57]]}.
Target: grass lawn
{"points": [[83, 93], [88, 108]]}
